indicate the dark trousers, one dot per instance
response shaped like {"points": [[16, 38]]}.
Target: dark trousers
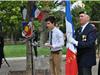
{"points": [[35, 50], [99, 68], [84, 71], [0, 62], [1, 55]]}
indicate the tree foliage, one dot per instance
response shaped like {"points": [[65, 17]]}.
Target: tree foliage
{"points": [[10, 16], [92, 9]]}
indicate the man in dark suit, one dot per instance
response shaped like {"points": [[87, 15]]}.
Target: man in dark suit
{"points": [[85, 44], [1, 49], [98, 42]]}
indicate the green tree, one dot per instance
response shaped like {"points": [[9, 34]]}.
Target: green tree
{"points": [[91, 7], [10, 17]]}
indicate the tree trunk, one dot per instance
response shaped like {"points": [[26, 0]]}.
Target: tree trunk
{"points": [[44, 32], [12, 38], [29, 67], [29, 60]]}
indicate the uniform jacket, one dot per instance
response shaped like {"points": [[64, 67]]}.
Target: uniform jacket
{"points": [[86, 52]]}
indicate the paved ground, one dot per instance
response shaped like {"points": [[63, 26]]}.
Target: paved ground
{"points": [[17, 64]]}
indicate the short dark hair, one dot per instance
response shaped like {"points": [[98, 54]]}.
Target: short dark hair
{"points": [[51, 19], [83, 12]]}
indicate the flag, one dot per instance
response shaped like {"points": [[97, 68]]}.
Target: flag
{"points": [[71, 62], [24, 13], [24, 23], [28, 29], [36, 13]]}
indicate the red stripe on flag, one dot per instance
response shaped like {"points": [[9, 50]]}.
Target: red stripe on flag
{"points": [[40, 16], [71, 63]]}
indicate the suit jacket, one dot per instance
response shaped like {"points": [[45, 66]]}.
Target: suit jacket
{"points": [[86, 52]]}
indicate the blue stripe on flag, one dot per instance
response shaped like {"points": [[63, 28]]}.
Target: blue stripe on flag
{"points": [[24, 23], [33, 11], [68, 15]]}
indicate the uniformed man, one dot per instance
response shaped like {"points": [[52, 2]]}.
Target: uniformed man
{"points": [[85, 43]]}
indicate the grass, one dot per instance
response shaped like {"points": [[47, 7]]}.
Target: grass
{"points": [[14, 50], [20, 51]]}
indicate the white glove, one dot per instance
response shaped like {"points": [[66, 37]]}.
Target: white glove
{"points": [[46, 44], [34, 43], [73, 41]]}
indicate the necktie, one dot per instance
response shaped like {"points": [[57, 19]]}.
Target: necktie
{"points": [[80, 30], [51, 38]]}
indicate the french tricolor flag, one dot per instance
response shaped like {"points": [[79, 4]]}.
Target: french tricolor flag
{"points": [[36, 13], [71, 62]]}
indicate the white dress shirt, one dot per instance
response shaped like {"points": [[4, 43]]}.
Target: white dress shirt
{"points": [[83, 27], [57, 39]]}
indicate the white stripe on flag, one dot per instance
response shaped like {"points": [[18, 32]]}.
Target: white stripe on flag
{"points": [[37, 12], [69, 34]]}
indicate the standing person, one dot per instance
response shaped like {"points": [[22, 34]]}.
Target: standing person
{"points": [[1, 49], [98, 42], [99, 68], [56, 41], [85, 43]]}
